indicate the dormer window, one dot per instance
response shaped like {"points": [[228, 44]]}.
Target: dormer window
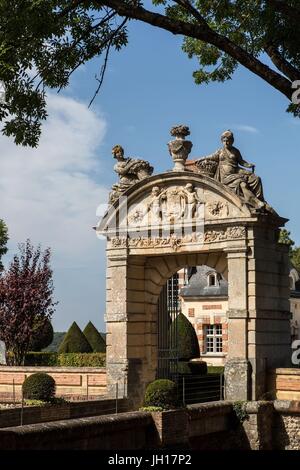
{"points": [[212, 280]]}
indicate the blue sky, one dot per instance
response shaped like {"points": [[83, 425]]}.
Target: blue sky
{"points": [[51, 194]]}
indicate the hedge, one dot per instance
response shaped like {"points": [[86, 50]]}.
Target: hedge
{"points": [[65, 360]]}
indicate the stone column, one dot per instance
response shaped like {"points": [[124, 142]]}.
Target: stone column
{"points": [[116, 322], [269, 334], [237, 368], [128, 326]]}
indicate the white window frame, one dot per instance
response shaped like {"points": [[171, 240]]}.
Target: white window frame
{"points": [[214, 336]]}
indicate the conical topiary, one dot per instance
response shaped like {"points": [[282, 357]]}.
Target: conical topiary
{"points": [[94, 338], [188, 346], [74, 341]]}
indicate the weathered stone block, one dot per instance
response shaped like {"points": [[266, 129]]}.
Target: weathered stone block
{"points": [[237, 374]]}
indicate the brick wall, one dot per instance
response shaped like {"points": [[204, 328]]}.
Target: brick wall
{"points": [[71, 382], [284, 384]]}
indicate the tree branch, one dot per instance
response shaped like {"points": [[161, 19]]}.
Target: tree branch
{"points": [[283, 65], [196, 14], [207, 35], [103, 68]]}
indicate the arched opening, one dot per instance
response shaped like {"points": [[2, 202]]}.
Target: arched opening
{"points": [[192, 333], [170, 283]]}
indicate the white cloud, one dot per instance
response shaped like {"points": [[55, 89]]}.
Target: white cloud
{"points": [[48, 194], [246, 128]]}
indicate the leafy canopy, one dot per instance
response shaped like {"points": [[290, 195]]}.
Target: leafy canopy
{"points": [[43, 41]]}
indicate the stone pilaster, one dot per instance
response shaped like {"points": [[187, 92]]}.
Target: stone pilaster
{"points": [[237, 368]]}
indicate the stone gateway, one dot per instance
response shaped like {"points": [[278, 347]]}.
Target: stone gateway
{"points": [[182, 218]]}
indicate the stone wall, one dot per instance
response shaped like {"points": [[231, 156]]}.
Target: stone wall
{"points": [[286, 425], [124, 431], [71, 382], [68, 410], [208, 426]]}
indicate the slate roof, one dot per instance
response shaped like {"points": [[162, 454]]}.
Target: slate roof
{"points": [[198, 284]]}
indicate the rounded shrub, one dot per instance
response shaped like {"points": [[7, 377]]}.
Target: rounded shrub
{"points": [[39, 386], [161, 393], [74, 341]]}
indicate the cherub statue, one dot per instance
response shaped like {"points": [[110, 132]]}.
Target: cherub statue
{"points": [[130, 171], [157, 196], [191, 200]]}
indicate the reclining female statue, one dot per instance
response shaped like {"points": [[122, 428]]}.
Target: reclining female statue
{"points": [[129, 170], [228, 162]]}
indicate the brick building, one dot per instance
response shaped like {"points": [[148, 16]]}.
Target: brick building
{"points": [[203, 296], [204, 301]]}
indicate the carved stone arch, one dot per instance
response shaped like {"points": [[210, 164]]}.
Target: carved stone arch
{"points": [[240, 243]]}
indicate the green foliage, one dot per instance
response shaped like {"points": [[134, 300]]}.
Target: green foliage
{"points": [[39, 403], [284, 237], [42, 335], [183, 368], [188, 347], [161, 393], [43, 42], [294, 252], [75, 341], [39, 386], [65, 360], [3, 241], [151, 408], [215, 370], [41, 359], [190, 367], [239, 408], [94, 338], [58, 337], [54, 401], [295, 258], [82, 360]]}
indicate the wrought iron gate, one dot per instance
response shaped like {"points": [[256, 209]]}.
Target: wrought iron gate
{"points": [[191, 388], [168, 309]]}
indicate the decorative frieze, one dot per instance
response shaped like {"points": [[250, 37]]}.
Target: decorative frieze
{"points": [[221, 235], [176, 242]]}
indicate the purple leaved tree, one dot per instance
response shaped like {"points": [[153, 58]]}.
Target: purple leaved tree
{"points": [[26, 299]]}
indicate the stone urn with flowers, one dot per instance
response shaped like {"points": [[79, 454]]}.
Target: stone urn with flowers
{"points": [[180, 148]]}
